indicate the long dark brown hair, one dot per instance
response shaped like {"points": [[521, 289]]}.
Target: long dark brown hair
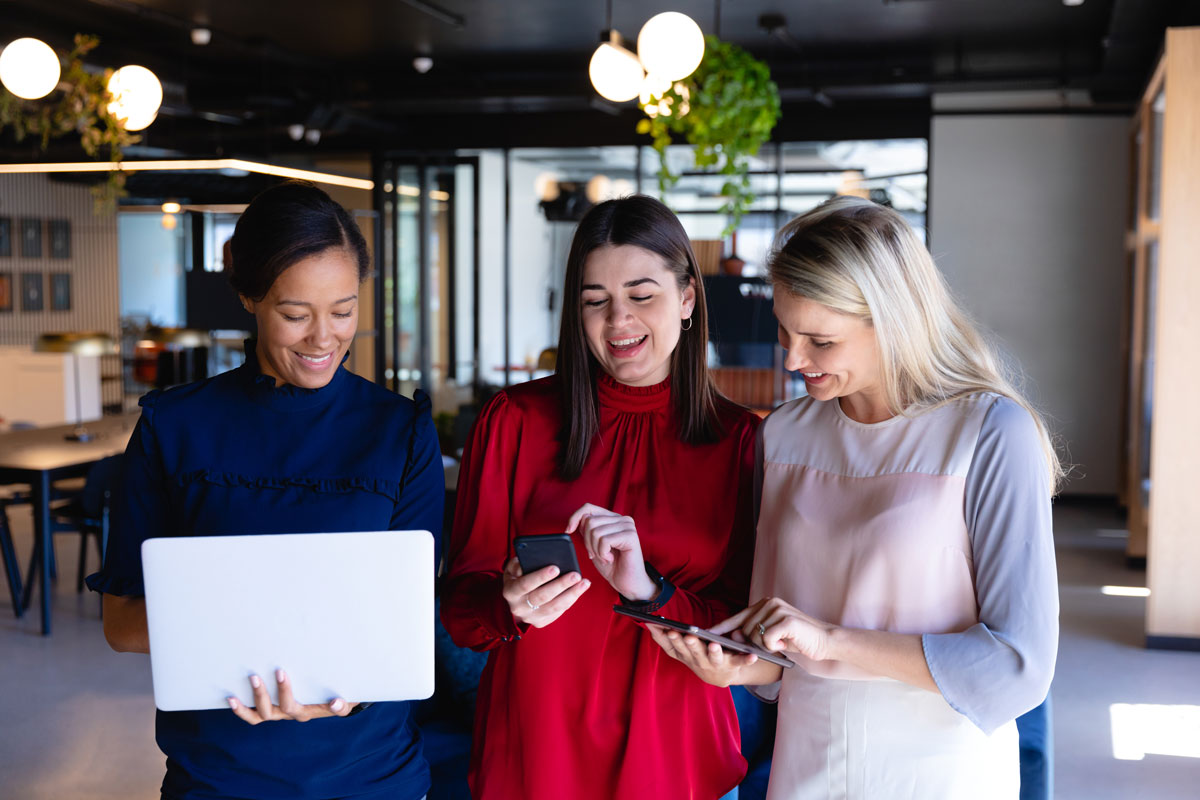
{"points": [[646, 223]]}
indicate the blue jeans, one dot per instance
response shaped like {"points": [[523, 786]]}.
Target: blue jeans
{"points": [[1036, 735]]}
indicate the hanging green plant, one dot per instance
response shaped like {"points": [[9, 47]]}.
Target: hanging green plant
{"points": [[726, 109], [79, 106]]}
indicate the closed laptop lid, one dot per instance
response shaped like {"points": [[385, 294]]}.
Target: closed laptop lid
{"points": [[347, 615]]}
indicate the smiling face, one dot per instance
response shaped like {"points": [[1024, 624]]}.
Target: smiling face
{"points": [[632, 312], [307, 319], [837, 354]]}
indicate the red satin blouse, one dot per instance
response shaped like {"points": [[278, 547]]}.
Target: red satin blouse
{"points": [[589, 706]]}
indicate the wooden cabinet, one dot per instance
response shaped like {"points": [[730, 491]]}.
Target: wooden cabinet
{"points": [[39, 388], [1162, 481]]}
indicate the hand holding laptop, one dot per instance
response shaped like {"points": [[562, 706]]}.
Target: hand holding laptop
{"points": [[266, 711]]}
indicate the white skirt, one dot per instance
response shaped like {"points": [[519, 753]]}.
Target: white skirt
{"points": [[883, 739]]}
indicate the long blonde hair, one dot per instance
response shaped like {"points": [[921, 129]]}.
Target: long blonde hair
{"points": [[862, 259]]}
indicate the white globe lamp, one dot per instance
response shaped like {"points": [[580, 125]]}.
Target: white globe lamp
{"points": [[136, 96], [616, 73], [670, 45], [29, 68]]}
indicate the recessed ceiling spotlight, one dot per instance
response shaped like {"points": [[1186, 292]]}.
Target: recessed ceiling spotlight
{"points": [[1072, 2], [201, 36], [295, 132], [312, 136], [422, 64]]}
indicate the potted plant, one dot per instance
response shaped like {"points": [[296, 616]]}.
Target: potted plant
{"points": [[726, 109]]}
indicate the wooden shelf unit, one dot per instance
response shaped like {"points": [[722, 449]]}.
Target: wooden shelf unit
{"points": [[1162, 463]]}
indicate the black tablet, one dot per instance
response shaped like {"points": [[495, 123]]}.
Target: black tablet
{"points": [[708, 636]]}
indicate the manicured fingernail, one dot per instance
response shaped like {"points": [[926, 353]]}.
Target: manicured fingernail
{"points": [[586, 584], [553, 571], [255, 681], [233, 703], [281, 676], [573, 577], [336, 705]]}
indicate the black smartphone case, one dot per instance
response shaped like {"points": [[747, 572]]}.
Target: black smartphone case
{"points": [[535, 552]]}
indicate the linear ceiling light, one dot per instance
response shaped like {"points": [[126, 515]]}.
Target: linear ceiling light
{"points": [[198, 164]]}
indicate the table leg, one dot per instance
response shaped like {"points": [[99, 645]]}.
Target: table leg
{"points": [[40, 496]]}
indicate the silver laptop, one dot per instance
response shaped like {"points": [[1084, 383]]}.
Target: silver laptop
{"points": [[347, 615]]}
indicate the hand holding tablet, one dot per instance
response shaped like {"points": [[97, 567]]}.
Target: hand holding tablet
{"points": [[705, 635]]}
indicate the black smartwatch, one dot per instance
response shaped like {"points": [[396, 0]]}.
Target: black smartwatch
{"points": [[665, 590]]}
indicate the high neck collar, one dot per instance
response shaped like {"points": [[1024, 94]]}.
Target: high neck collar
{"points": [[622, 397], [285, 397]]}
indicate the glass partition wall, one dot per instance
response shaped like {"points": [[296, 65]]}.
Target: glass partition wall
{"points": [[477, 241]]}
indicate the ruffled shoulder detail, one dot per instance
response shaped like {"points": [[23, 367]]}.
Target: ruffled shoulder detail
{"points": [[116, 586], [347, 485]]}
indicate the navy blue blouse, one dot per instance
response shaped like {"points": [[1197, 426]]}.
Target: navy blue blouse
{"points": [[236, 454]]}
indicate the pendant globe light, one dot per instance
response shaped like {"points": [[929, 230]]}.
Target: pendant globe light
{"points": [[616, 73], [670, 46], [29, 68], [136, 96]]}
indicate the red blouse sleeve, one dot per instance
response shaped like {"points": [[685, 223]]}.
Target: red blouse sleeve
{"points": [[473, 610], [729, 592]]}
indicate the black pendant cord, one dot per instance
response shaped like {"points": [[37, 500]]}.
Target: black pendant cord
{"points": [[608, 15], [717, 19]]}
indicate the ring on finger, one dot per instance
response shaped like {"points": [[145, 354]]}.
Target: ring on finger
{"points": [[762, 630], [531, 605]]}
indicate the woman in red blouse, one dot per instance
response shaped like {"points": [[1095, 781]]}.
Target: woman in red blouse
{"points": [[631, 448]]}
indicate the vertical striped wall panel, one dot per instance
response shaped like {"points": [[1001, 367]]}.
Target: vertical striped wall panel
{"points": [[93, 265]]}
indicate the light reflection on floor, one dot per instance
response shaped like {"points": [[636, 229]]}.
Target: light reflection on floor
{"points": [[1139, 729]]}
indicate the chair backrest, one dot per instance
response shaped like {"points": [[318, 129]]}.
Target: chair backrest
{"points": [[101, 478], [548, 358]]}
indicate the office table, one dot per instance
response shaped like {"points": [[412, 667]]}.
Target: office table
{"points": [[41, 456]]}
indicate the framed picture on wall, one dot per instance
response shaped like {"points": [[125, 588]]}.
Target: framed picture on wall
{"points": [[31, 291], [5, 237], [6, 292], [60, 291], [31, 238], [60, 238]]}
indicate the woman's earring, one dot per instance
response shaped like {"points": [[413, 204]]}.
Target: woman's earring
{"points": [[686, 324]]}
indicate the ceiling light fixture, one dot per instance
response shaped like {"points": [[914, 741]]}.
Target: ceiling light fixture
{"points": [[599, 188], [201, 36], [137, 95], [422, 64], [171, 207], [670, 45], [616, 72], [29, 68], [210, 164]]}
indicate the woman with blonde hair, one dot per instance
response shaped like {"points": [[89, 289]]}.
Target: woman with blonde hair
{"points": [[904, 555]]}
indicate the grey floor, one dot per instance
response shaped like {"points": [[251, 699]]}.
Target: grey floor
{"points": [[76, 720]]}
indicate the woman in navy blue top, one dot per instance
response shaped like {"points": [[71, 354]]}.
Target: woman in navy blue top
{"points": [[289, 442]]}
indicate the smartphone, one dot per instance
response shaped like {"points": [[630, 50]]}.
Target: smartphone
{"points": [[535, 552], [705, 635]]}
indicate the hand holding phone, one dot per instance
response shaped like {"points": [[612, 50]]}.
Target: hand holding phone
{"points": [[536, 552], [544, 580]]}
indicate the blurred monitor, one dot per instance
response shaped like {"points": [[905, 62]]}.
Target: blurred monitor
{"points": [[741, 322]]}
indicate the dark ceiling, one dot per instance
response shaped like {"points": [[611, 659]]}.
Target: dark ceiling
{"points": [[514, 72]]}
